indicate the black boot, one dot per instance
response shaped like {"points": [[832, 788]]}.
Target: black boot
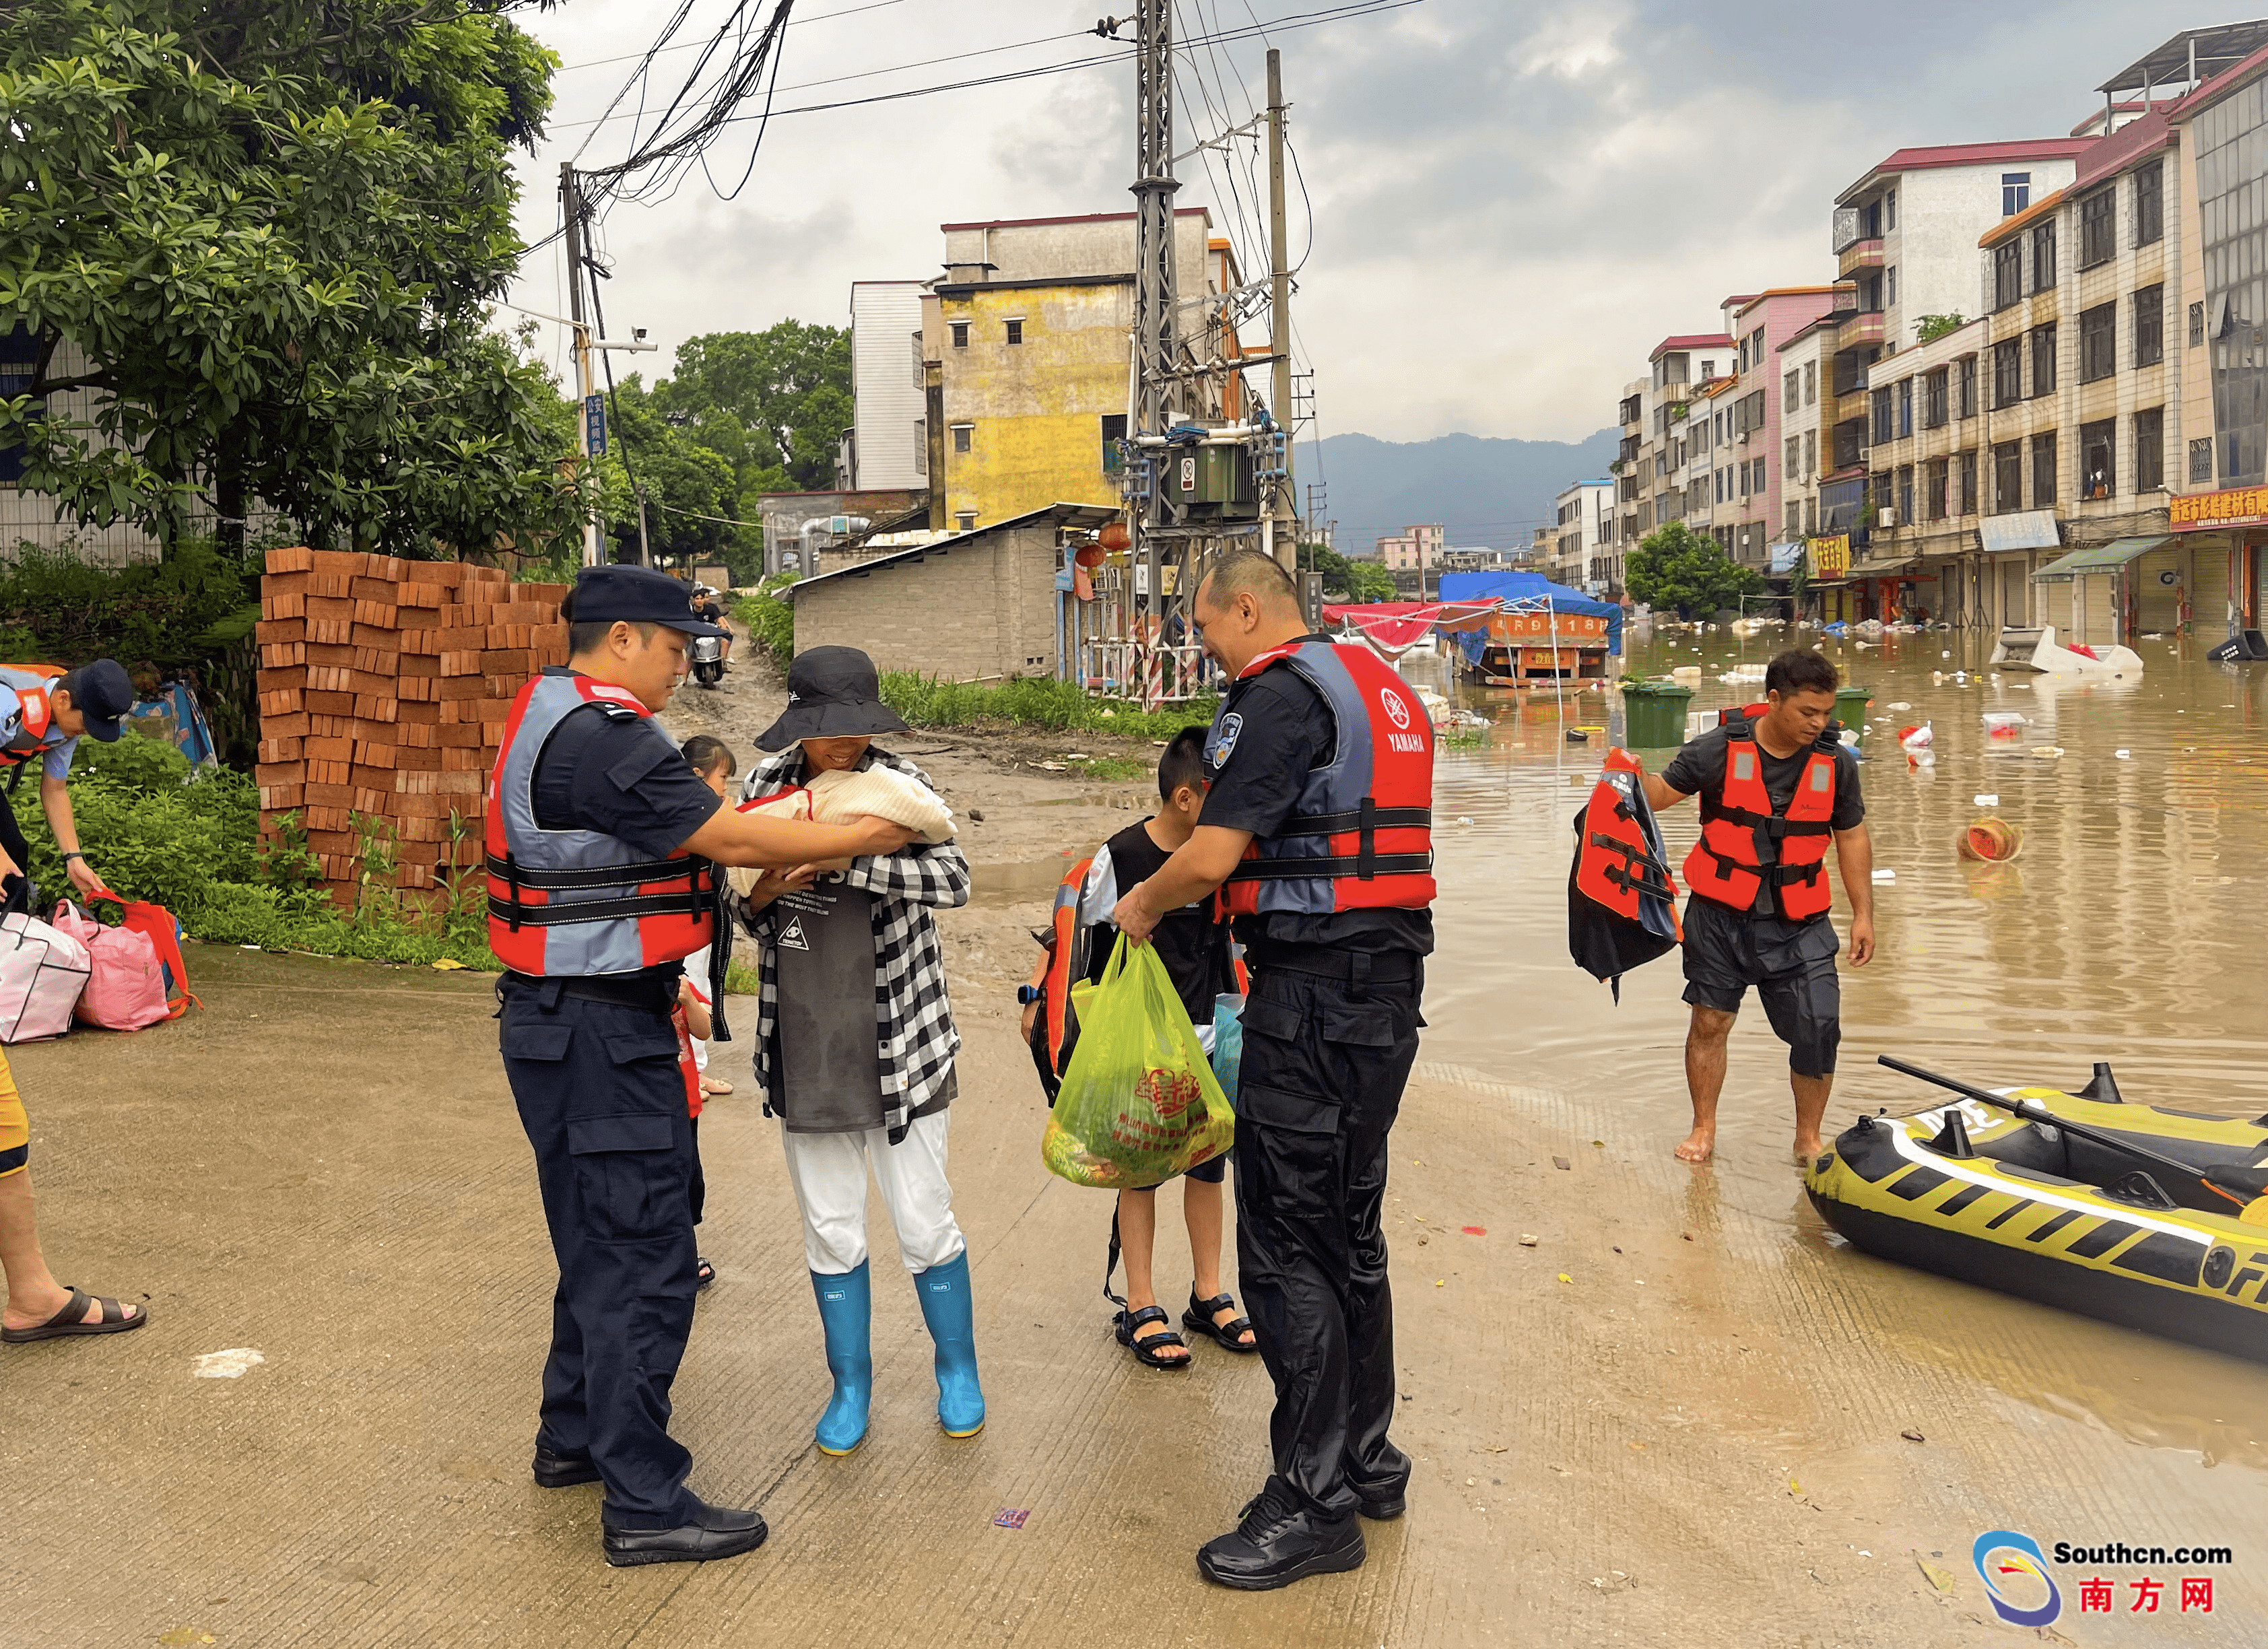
{"points": [[1277, 1542]]}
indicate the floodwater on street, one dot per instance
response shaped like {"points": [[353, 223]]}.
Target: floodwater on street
{"points": [[2127, 930]]}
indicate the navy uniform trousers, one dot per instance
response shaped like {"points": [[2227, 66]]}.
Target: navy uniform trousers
{"points": [[1325, 1060], [603, 1101]]}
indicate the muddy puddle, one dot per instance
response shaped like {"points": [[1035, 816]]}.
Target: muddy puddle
{"points": [[2129, 930]]}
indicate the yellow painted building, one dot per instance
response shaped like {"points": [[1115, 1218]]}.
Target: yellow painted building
{"points": [[1030, 335]]}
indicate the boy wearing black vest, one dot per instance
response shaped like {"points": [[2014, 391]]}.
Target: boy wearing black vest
{"points": [[1193, 942]]}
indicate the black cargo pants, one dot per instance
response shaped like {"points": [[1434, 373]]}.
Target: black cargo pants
{"points": [[1325, 1060], [602, 1100]]}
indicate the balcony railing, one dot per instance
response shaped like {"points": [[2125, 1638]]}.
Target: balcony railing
{"points": [[1861, 254]]}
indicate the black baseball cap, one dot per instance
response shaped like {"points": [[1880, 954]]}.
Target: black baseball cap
{"points": [[832, 693], [636, 595], [103, 694]]}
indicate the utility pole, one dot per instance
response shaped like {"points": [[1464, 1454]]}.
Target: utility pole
{"points": [[1156, 353], [645, 556], [1282, 495], [570, 205]]}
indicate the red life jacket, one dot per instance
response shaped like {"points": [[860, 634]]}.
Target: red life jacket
{"points": [[577, 902], [1728, 865], [33, 731], [1620, 855], [1361, 835]]}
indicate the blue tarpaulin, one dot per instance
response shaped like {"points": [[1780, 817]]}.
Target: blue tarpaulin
{"points": [[1534, 589]]}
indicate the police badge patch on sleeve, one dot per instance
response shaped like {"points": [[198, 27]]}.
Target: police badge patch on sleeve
{"points": [[1223, 740]]}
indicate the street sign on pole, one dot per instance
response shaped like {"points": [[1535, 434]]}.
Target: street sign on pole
{"points": [[594, 424]]}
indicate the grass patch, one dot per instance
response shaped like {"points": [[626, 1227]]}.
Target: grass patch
{"points": [[770, 620], [928, 701], [1106, 767]]}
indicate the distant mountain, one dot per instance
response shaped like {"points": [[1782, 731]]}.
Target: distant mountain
{"points": [[1489, 491]]}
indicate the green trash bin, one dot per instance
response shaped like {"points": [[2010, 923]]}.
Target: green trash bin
{"points": [[1653, 714], [1851, 708]]}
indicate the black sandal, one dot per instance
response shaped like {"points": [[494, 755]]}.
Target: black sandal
{"points": [[704, 1274], [1144, 1348], [1200, 1314], [111, 1318]]}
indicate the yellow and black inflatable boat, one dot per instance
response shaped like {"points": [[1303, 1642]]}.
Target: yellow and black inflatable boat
{"points": [[2103, 1223]]}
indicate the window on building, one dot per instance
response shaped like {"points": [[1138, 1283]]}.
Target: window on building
{"points": [[1810, 453], [2098, 458], [1905, 407], [1889, 286], [921, 446], [1937, 478], [1795, 457], [2150, 450], [2008, 273], [1744, 477], [961, 432], [2150, 203], [1016, 330], [2043, 359], [1791, 392], [1905, 495], [2196, 326], [2098, 342], [1114, 436], [1793, 515], [1880, 404], [2008, 477], [1811, 383], [2043, 257], [1810, 516], [1889, 209], [2007, 373], [2097, 216], [1968, 501], [1964, 401], [965, 520], [2201, 461], [1937, 399], [960, 330], [2016, 192], [2150, 326], [2043, 470]]}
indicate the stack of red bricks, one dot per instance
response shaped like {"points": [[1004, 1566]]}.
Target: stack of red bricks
{"points": [[384, 686]]}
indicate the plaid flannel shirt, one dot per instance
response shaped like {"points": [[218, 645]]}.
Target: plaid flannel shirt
{"points": [[913, 1015]]}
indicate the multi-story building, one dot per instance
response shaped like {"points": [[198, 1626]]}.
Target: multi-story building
{"points": [[1414, 549], [889, 430], [1749, 423], [1926, 418], [1585, 537], [1027, 343], [1805, 362]]}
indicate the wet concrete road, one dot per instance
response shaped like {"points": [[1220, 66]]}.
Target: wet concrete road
{"points": [[1692, 1439]]}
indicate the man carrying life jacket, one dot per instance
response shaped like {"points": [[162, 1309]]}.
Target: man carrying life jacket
{"points": [[44, 712], [1776, 787], [601, 846], [1318, 819]]}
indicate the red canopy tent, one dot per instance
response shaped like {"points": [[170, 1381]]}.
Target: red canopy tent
{"points": [[1395, 626]]}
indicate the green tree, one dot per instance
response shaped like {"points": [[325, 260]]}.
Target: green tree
{"points": [[773, 403], [691, 490], [265, 235], [1674, 568], [1355, 580]]}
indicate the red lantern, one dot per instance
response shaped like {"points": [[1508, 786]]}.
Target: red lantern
{"points": [[1089, 556], [1115, 537]]}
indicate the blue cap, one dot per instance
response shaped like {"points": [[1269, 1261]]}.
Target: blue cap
{"points": [[637, 595]]}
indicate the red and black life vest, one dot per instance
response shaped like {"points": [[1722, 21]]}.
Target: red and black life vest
{"points": [[578, 903], [32, 729], [1729, 864], [1361, 835], [1621, 900]]}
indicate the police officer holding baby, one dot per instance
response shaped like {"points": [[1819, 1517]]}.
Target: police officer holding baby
{"points": [[602, 844]]}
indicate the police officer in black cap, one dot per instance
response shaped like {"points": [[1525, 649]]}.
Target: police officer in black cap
{"points": [[44, 712], [601, 847], [1317, 819]]}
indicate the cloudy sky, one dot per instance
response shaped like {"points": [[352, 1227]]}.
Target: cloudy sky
{"points": [[1511, 202]]}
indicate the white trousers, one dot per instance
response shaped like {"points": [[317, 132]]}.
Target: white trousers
{"points": [[829, 1174]]}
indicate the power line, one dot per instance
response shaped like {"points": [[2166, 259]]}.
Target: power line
{"points": [[601, 63]]}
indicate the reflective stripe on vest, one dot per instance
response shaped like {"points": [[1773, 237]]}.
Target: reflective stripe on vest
{"points": [[32, 729], [577, 902], [1360, 836], [1728, 865]]}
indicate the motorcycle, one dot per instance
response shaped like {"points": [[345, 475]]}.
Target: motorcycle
{"points": [[706, 655]]}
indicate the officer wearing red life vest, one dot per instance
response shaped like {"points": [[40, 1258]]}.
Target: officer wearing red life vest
{"points": [[602, 845], [1318, 820], [44, 711], [1777, 786]]}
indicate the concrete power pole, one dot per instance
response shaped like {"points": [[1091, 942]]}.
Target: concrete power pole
{"points": [[1284, 495], [1156, 354], [571, 206]]}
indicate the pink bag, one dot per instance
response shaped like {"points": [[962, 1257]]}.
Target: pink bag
{"points": [[41, 973], [126, 990]]}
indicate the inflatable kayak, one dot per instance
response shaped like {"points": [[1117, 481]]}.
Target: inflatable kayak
{"points": [[2140, 1215]]}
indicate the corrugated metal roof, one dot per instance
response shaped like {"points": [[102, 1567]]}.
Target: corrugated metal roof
{"points": [[1082, 515]]}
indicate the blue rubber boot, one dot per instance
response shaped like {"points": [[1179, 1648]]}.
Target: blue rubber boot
{"points": [[846, 1304], [951, 1318]]}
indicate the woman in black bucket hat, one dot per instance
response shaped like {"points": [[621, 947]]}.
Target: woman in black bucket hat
{"points": [[855, 1048]]}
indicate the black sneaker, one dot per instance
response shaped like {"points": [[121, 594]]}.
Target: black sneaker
{"points": [[1277, 1542]]}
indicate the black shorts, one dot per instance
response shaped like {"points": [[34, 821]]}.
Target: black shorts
{"points": [[1791, 965]]}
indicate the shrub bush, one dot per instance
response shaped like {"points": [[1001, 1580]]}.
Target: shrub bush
{"points": [[770, 620]]}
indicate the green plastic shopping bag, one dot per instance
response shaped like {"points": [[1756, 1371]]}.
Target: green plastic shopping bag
{"points": [[1139, 1102]]}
